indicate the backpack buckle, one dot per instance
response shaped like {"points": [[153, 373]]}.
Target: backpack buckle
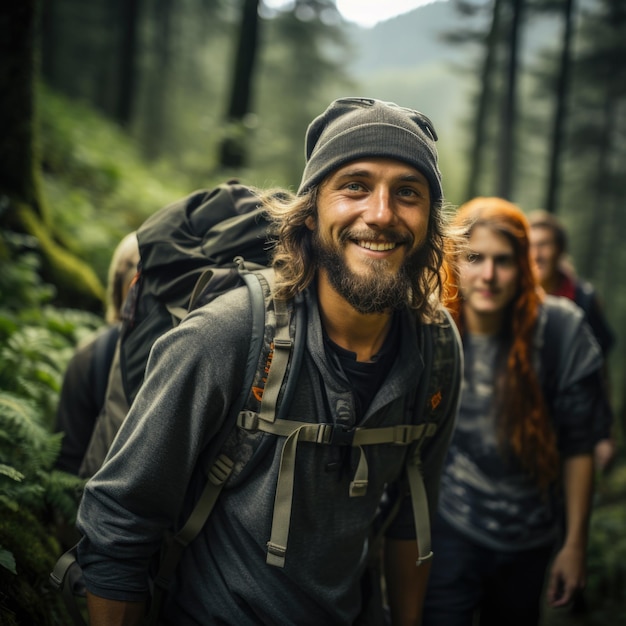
{"points": [[340, 435], [248, 420]]}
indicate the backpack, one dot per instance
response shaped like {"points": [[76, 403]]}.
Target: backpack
{"points": [[274, 355], [187, 251]]}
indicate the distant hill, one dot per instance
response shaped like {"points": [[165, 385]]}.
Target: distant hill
{"points": [[391, 59], [407, 40], [417, 37], [406, 60]]}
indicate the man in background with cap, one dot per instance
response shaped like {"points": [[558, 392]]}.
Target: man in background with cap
{"points": [[360, 245]]}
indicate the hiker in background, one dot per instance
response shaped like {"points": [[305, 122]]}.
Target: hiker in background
{"points": [[548, 248], [85, 379], [358, 250], [522, 446]]}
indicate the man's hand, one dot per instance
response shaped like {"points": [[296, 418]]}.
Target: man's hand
{"points": [[406, 582]]}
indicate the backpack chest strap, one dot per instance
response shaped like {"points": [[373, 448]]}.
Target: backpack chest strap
{"points": [[328, 434], [331, 434]]}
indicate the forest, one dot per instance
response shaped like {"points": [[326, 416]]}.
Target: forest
{"points": [[112, 109]]}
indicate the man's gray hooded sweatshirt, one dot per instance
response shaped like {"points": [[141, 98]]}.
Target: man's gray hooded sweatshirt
{"points": [[154, 474]]}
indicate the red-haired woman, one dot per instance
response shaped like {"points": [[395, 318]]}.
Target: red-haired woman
{"points": [[522, 446]]}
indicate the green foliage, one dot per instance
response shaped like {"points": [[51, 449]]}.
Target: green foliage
{"points": [[28, 451], [29, 494], [607, 545], [36, 341], [303, 60], [20, 285], [25, 598], [7, 560], [96, 183], [26, 365]]}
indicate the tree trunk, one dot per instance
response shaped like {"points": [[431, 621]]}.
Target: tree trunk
{"points": [[22, 205], [17, 45], [560, 112], [506, 147], [157, 80], [48, 41], [130, 12], [233, 148], [604, 150], [485, 97]]}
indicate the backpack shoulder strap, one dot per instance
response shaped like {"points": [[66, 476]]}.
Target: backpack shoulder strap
{"points": [[435, 395], [103, 350], [446, 362], [261, 287]]}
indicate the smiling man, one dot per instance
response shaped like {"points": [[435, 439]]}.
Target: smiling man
{"points": [[359, 249], [375, 275]]}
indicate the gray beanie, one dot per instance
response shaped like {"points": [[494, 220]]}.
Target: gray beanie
{"points": [[355, 128]]}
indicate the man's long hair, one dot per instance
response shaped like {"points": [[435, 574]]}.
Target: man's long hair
{"points": [[522, 420], [295, 258]]}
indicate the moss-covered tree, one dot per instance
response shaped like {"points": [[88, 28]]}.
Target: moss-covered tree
{"points": [[22, 205]]}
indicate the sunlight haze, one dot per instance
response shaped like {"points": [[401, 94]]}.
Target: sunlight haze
{"points": [[367, 13]]}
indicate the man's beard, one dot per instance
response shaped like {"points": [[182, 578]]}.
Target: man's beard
{"points": [[378, 290]]}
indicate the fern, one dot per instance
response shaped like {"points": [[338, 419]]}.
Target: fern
{"points": [[36, 343], [63, 492], [33, 358], [28, 451], [21, 420], [20, 284], [21, 415], [7, 560], [11, 472]]}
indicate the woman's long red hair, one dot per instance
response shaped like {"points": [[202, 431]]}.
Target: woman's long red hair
{"points": [[522, 421]]}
